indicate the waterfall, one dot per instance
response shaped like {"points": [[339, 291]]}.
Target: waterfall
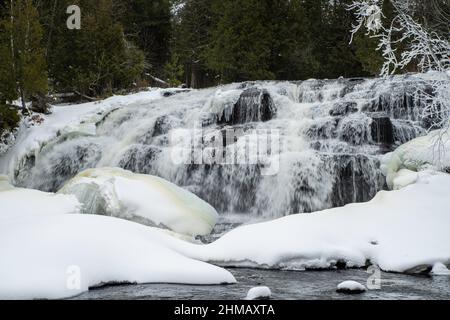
{"points": [[332, 134]]}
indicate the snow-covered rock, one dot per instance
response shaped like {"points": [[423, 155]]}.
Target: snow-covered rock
{"points": [[259, 293], [350, 287], [440, 269], [397, 230], [428, 152], [141, 198], [57, 256], [19, 204]]}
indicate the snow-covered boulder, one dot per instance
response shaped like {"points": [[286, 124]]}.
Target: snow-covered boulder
{"points": [[350, 287], [141, 198], [440, 269], [57, 256], [259, 293], [398, 230], [428, 152], [18, 203]]}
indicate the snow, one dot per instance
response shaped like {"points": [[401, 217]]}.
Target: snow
{"points": [[403, 178], [428, 152], [20, 204], [45, 242], [142, 198], [57, 256], [398, 230], [350, 286], [439, 269], [79, 118], [7, 140], [259, 293]]}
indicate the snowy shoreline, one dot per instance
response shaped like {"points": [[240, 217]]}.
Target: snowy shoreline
{"points": [[103, 226], [398, 231]]}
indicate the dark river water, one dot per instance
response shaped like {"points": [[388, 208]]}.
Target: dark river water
{"points": [[286, 285]]}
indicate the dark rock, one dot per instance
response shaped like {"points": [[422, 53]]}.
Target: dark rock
{"points": [[140, 159], [163, 125], [341, 265], [382, 130], [40, 104], [323, 130], [424, 269], [397, 105], [342, 109], [355, 131], [357, 178], [253, 105], [169, 93]]}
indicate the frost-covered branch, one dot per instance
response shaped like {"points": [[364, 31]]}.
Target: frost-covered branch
{"points": [[405, 41], [426, 47]]}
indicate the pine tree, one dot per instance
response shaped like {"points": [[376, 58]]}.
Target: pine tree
{"points": [[8, 89], [242, 41], [192, 27], [23, 52], [97, 59], [148, 25]]}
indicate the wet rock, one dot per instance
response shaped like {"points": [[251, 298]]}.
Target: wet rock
{"points": [[164, 124], [382, 130], [140, 159], [253, 105], [357, 178], [355, 129], [323, 130], [343, 109]]}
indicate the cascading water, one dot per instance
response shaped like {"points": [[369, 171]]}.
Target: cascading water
{"points": [[332, 134]]}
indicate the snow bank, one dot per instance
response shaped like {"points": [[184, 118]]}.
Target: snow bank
{"points": [[350, 287], [47, 250], [56, 256], [19, 204], [259, 293], [142, 198], [428, 152], [398, 231]]}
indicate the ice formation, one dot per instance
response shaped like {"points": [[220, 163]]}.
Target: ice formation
{"points": [[142, 198]]}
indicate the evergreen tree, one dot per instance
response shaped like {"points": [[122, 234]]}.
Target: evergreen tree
{"points": [[23, 69], [148, 25], [242, 41], [193, 21], [97, 59]]}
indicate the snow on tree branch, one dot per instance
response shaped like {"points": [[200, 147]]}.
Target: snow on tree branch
{"points": [[427, 47], [404, 41]]}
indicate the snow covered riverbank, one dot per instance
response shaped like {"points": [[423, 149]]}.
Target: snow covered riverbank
{"points": [[55, 245], [403, 231]]}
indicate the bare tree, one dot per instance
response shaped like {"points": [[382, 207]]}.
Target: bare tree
{"points": [[405, 41]]}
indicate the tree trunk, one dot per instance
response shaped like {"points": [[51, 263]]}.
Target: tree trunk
{"points": [[50, 31]]}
